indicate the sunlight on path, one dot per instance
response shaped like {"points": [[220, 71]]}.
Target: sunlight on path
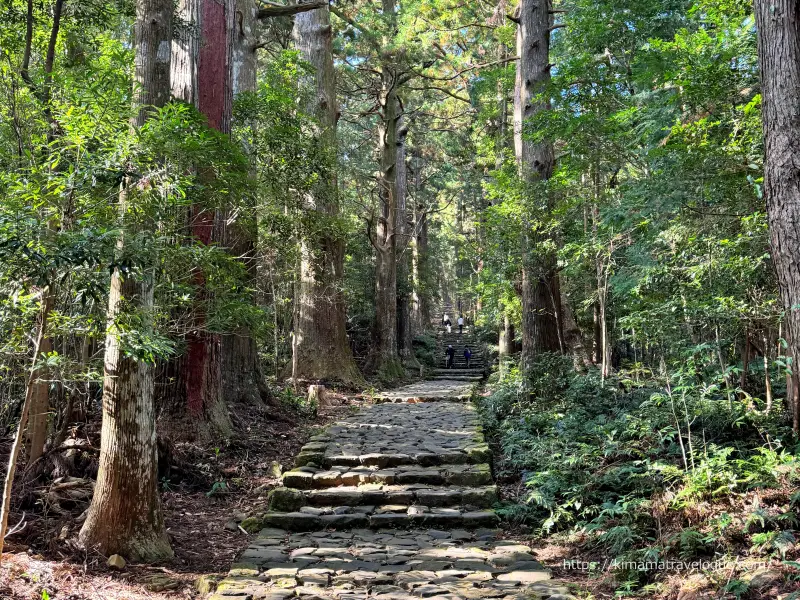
{"points": [[392, 502]]}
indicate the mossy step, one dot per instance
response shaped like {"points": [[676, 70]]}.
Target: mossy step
{"points": [[467, 475], [435, 517], [476, 452], [290, 499]]}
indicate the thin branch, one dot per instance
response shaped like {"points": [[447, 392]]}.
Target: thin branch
{"points": [[468, 69], [48, 67], [448, 92], [51, 47], [18, 527], [26, 59]]}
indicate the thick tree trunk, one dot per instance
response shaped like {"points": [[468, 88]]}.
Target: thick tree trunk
{"points": [[321, 350], [418, 324], [200, 76], [244, 39], [384, 359], [778, 23], [203, 364], [507, 335], [405, 341], [125, 515], [541, 319], [242, 378], [420, 306]]}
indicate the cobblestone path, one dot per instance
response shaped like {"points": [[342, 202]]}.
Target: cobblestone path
{"points": [[392, 503]]}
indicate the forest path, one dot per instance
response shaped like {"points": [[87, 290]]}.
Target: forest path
{"points": [[391, 502]]}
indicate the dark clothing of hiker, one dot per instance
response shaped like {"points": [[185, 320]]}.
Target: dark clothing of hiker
{"points": [[467, 355], [451, 356]]}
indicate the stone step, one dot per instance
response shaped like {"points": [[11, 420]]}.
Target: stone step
{"points": [[429, 391], [471, 371], [461, 363], [289, 499], [469, 378], [474, 453], [308, 478], [392, 564], [414, 516]]}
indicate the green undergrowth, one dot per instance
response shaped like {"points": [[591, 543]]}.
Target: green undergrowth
{"points": [[646, 472], [425, 350]]}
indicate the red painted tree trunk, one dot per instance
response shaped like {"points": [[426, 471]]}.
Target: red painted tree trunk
{"points": [[213, 56]]}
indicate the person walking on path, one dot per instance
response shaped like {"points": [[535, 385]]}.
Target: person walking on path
{"points": [[460, 324], [446, 322], [467, 355], [451, 356]]}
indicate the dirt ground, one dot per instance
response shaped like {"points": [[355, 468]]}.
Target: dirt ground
{"points": [[210, 489]]}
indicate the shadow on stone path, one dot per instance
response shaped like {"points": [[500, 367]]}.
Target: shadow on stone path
{"points": [[393, 502]]}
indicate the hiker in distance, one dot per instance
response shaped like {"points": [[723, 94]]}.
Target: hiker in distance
{"points": [[460, 324], [446, 322], [467, 355], [451, 356]]}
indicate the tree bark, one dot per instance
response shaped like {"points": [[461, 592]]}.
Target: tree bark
{"points": [[420, 308], [507, 335], [27, 405], [125, 514], [40, 407], [574, 338], [320, 347], [242, 378], [405, 341], [384, 359], [213, 368], [540, 285], [778, 23]]}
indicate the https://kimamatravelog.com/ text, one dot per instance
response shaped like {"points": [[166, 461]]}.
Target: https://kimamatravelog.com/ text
{"points": [[615, 564]]}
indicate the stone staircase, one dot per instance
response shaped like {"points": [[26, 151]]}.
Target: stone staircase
{"points": [[396, 464], [460, 341], [392, 502]]}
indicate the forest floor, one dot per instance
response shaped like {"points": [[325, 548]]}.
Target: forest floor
{"points": [[202, 515], [574, 557], [217, 487]]}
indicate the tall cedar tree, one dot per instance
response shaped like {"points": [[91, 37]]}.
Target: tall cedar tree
{"points": [[778, 23], [320, 348], [541, 298], [125, 515]]}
